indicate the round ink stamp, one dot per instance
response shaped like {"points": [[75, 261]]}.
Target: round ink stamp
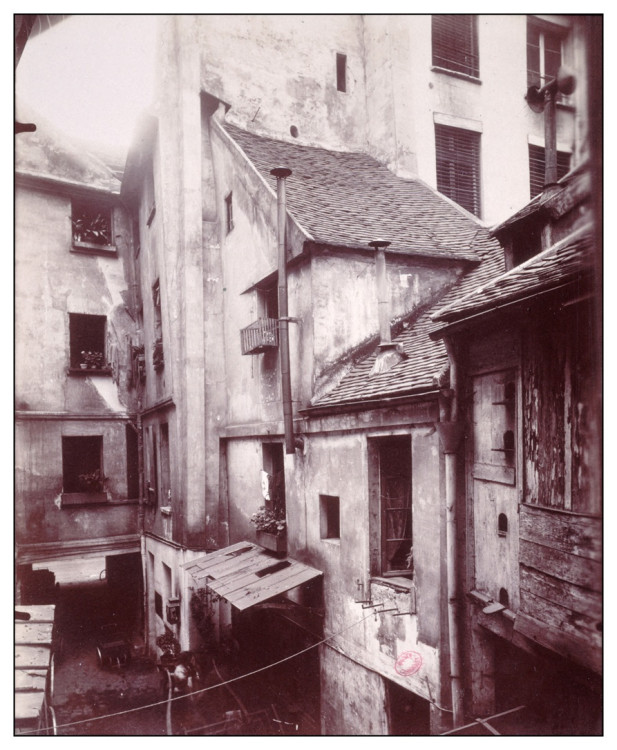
{"points": [[408, 663]]}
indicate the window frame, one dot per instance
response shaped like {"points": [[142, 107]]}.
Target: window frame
{"points": [[87, 206], [444, 29], [330, 518], [457, 150], [82, 455], [78, 333], [379, 449], [544, 29]]}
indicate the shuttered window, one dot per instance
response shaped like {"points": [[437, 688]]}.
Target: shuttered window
{"points": [[537, 166], [455, 43], [458, 166]]}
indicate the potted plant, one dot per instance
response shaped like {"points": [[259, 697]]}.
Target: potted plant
{"points": [[271, 529], [91, 360], [93, 481]]}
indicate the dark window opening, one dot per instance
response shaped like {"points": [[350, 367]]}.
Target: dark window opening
{"points": [[82, 463], [229, 215], [165, 467], [270, 301], [395, 502], [91, 223], [524, 245], [87, 341], [502, 525], [455, 43], [158, 604], [503, 597], [458, 166], [330, 517], [537, 156], [152, 487], [408, 713], [341, 72], [132, 463], [158, 357]]}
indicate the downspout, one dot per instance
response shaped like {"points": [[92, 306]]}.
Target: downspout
{"points": [[281, 173], [450, 433]]}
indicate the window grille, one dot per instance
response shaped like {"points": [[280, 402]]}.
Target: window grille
{"points": [[458, 166], [455, 43]]}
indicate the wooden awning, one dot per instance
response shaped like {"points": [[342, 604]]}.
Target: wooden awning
{"points": [[245, 574]]}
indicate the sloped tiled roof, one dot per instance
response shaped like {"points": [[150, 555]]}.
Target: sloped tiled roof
{"points": [[553, 267], [425, 358], [349, 199]]}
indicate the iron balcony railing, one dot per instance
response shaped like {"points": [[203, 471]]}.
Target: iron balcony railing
{"points": [[260, 336]]}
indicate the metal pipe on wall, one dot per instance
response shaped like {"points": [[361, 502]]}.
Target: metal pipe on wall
{"points": [[281, 173]]}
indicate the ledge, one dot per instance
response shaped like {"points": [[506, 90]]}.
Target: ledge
{"points": [[456, 74], [396, 582], [165, 510], [91, 248], [84, 498], [105, 371]]}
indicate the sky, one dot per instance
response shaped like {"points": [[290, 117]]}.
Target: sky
{"points": [[91, 75]]}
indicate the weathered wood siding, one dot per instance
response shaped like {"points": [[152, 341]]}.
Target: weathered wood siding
{"points": [[560, 582]]}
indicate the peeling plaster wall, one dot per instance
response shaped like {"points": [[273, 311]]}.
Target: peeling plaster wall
{"points": [[51, 282]]}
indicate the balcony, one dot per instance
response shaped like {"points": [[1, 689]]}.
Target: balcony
{"points": [[260, 336]]}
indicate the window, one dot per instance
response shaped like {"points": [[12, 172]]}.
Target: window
{"points": [[82, 459], [152, 466], [158, 604], [458, 166], [341, 72], [132, 462], [229, 213], [165, 469], [274, 467], [455, 44], [537, 165], [390, 499], [87, 342], [158, 358], [330, 517], [543, 52], [91, 223]]}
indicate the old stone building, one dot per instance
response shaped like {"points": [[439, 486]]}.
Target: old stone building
{"points": [[302, 221]]}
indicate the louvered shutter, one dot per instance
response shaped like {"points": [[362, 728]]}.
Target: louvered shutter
{"points": [[537, 168], [455, 43], [458, 166]]}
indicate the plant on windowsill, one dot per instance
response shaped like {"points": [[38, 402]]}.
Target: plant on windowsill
{"points": [[170, 647], [91, 361], [93, 481], [271, 529]]}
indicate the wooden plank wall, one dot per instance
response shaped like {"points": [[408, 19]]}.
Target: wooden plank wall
{"points": [[561, 582]]}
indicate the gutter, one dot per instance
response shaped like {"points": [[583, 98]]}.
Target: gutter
{"points": [[421, 394], [450, 434]]}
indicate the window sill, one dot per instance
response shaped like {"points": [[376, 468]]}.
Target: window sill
{"points": [[456, 74], [334, 541], [72, 499], [89, 371], [165, 510], [400, 583], [91, 248]]}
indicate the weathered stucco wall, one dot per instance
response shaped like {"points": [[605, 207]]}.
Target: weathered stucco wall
{"points": [[401, 134], [280, 70]]}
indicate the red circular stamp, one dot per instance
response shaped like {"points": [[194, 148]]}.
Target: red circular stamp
{"points": [[408, 663]]}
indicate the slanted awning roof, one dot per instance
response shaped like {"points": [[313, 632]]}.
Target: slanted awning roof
{"points": [[244, 574]]}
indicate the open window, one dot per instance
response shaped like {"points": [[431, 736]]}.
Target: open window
{"points": [[83, 480], [330, 516], [544, 52], [87, 343], [91, 223], [390, 498]]}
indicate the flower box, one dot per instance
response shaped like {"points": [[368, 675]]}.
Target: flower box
{"points": [[273, 542]]}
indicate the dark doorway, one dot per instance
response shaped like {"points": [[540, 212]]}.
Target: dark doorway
{"points": [[408, 713]]}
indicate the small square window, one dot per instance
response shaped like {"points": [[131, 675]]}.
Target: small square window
{"points": [[341, 72], [87, 342], [91, 223], [330, 517]]}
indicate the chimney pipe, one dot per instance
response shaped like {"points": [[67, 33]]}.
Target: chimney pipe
{"points": [[281, 173], [382, 290]]}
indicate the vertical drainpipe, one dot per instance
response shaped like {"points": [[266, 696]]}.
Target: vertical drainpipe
{"points": [[450, 433], [281, 173]]}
